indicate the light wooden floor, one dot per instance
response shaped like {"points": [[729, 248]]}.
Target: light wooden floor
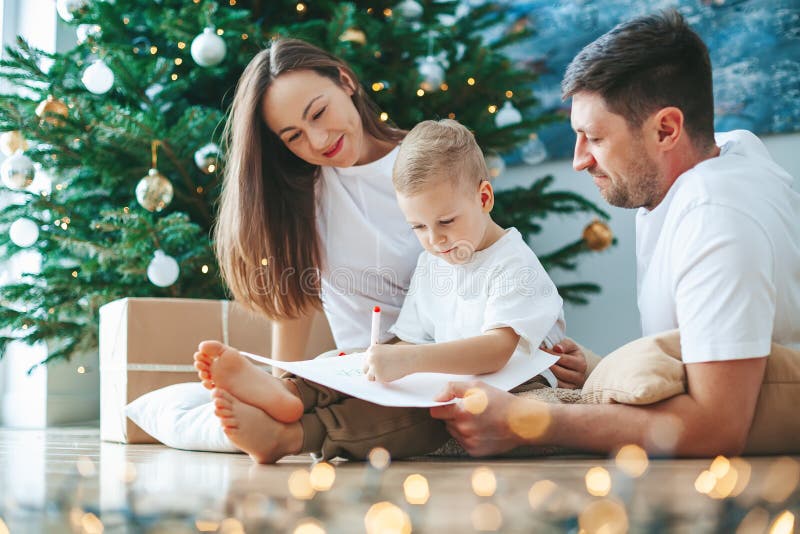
{"points": [[66, 480]]}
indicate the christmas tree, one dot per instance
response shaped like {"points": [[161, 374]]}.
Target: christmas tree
{"points": [[122, 135]]}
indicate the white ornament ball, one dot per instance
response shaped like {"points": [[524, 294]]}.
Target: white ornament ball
{"points": [[23, 232], [98, 78], [84, 31], [17, 171], [163, 270], [495, 164], [67, 8], [207, 158], [432, 73], [507, 115], [208, 48], [409, 9], [534, 152]]}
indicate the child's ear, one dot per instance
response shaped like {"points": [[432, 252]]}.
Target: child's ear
{"points": [[487, 196]]}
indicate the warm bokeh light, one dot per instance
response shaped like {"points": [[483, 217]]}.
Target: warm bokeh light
{"points": [[705, 482], [756, 520], [663, 434], [781, 479], [416, 489], [540, 492], [379, 458], [632, 460], [301, 7], [384, 517], [420, 92], [598, 481], [605, 516], [492, 108], [86, 467], [475, 401], [486, 517], [384, 116], [231, 525], [528, 419], [470, 81], [309, 526], [300, 485], [322, 476], [206, 525], [783, 524], [484, 483], [725, 484], [743, 470], [91, 524], [720, 466]]}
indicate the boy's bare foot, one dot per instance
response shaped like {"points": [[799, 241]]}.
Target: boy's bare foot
{"points": [[221, 366], [254, 432]]}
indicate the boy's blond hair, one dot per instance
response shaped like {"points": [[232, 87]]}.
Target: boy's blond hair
{"points": [[436, 150]]}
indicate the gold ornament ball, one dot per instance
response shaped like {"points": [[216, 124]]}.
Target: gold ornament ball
{"points": [[598, 236], [49, 107], [154, 191], [353, 35], [12, 141]]}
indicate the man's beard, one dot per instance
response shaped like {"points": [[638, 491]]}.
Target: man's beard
{"points": [[640, 189]]}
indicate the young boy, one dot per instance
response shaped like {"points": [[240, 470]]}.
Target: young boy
{"points": [[479, 293]]}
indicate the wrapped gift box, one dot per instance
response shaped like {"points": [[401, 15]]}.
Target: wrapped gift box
{"points": [[148, 343]]}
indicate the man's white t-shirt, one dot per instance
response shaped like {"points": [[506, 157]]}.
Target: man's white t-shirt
{"points": [[368, 249], [503, 285], [719, 257]]}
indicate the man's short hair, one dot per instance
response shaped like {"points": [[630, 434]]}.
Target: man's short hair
{"points": [[436, 150], [644, 65]]}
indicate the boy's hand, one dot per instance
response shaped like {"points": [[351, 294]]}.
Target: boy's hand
{"points": [[570, 370], [386, 363]]}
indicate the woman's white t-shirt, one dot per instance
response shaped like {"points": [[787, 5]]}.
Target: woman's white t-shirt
{"points": [[368, 249]]}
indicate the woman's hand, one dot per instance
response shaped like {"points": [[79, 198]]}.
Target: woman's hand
{"points": [[386, 363], [570, 370]]}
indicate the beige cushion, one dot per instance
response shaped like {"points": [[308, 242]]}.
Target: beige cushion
{"points": [[649, 370]]}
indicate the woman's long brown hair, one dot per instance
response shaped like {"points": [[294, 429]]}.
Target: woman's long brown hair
{"points": [[265, 236]]}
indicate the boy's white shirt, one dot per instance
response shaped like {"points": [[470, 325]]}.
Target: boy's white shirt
{"points": [[503, 285]]}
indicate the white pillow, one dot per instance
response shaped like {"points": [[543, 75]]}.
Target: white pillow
{"points": [[181, 416]]}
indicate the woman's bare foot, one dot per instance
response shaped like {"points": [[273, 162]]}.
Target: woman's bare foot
{"points": [[254, 432], [221, 366]]}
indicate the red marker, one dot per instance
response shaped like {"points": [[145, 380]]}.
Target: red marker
{"points": [[375, 335]]}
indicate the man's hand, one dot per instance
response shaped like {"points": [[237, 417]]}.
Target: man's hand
{"points": [[386, 363], [488, 420], [570, 370]]}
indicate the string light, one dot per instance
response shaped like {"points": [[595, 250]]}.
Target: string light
{"points": [[598, 482], [484, 483], [387, 12], [416, 489], [470, 81], [492, 108], [174, 77], [154, 50], [204, 269], [81, 370], [181, 45], [377, 86], [451, 115], [220, 31], [420, 92], [178, 61], [200, 187], [244, 37], [232, 2], [264, 261], [444, 87], [74, 274], [125, 20], [509, 94], [384, 116], [301, 7]]}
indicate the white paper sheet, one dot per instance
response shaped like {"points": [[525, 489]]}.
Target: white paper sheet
{"points": [[344, 373]]}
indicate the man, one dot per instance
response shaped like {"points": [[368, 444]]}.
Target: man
{"points": [[718, 248]]}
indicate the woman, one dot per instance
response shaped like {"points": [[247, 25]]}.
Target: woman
{"points": [[308, 218]]}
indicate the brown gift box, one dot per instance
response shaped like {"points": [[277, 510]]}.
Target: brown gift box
{"points": [[148, 343]]}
